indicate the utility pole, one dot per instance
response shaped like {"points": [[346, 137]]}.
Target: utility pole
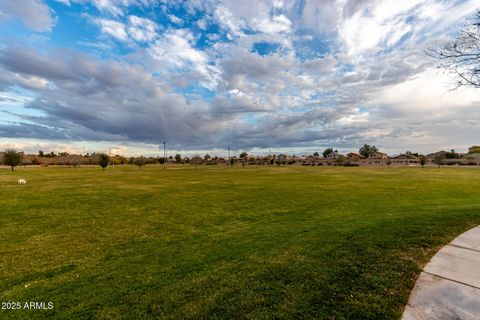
{"points": [[164, 154]]}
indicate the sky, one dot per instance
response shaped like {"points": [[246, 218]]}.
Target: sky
{"points": [[287, 76]]}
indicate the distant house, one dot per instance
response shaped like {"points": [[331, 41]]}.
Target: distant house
{"points": [[355, 156], [378, 155], [472, 158], [469, 156], [404, 158], [333, 155]]}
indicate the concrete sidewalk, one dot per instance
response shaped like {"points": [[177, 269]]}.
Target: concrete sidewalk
{"points": [[449, 286]]}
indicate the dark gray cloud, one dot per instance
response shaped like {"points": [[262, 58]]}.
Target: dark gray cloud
{"points": [[34, 131], [88, 99]]}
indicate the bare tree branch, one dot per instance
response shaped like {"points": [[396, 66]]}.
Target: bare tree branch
{"points": [[462, 56]]}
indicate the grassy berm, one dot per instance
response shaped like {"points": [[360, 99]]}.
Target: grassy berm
{"points": [[221, 243]]}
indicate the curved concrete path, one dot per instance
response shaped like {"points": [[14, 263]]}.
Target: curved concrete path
{"points": [[449, 286]]}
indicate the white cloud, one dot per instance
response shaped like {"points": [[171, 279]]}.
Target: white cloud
{"points": [[142, 29], [34, 14], [176, 47], [113, 28], [117, 8], [428, 95], [376, 27], [175, 52], [110, 6], [136, 29], [228, 20], [319, 16], [202, 24], [65, 2], [276, 24], [173, 18], [259, 16]]}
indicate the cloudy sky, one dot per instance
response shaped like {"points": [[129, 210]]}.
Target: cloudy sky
{"points": [[295, 76]]}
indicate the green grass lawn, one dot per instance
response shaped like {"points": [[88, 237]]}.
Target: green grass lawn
{"points": [[218, 242]]}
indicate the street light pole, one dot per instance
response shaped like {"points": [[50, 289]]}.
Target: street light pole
{"points": [[164, 154]]}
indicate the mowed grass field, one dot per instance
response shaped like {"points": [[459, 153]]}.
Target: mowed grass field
{"points": [[221, 243]]}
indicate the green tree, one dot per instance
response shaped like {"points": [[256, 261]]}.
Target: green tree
{"points": [[206, 157], [451, 155], [73, 160], [178, 158], [139, 162], [196, 159], [121, 159], [367, 150], [278, 161], [423, 160], [103, 160], [340, 159], [439, 159], [410, 153], [315, 154], [474, 149], [12, 158], [243, 157]]}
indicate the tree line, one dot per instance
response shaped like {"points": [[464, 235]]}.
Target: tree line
{"points": [[13, 158]]}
